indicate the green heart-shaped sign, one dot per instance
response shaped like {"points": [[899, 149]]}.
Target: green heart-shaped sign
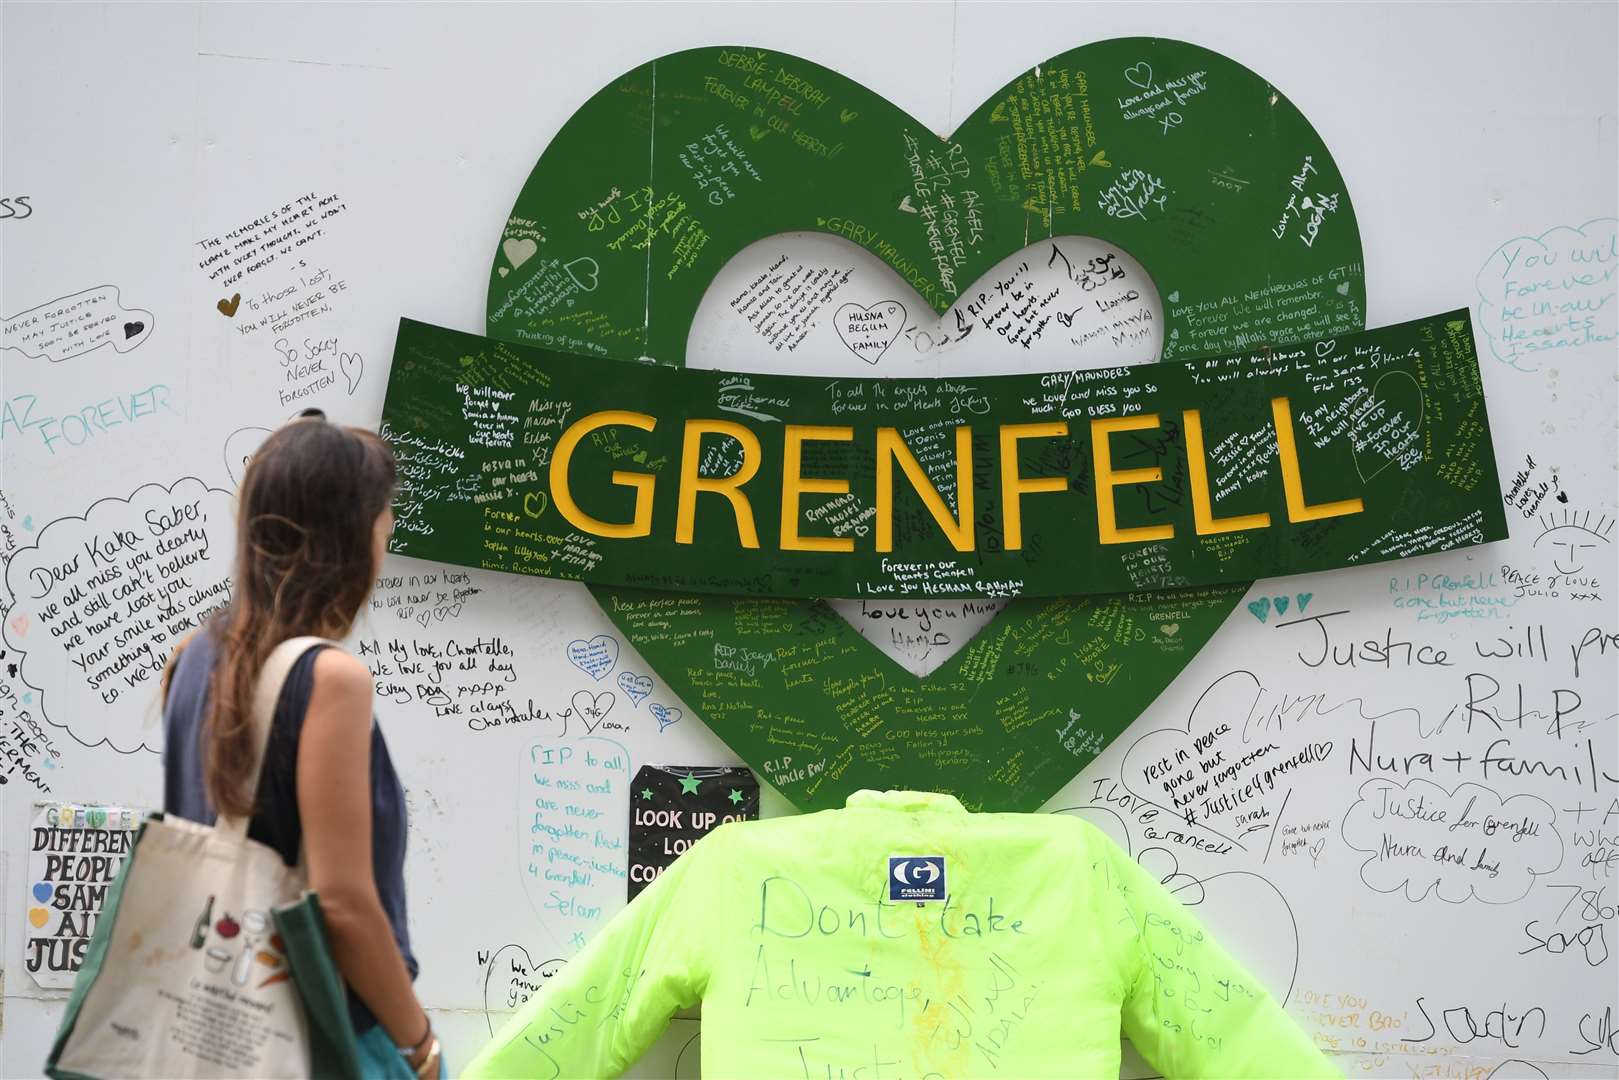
{"points": [[1192, 163]]}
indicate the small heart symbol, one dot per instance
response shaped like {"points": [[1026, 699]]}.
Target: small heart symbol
{"points": [[28, 699], [1174, 297], [1562, 496], [228, 308], [905, 205], [1140, 74], [847, 115], [1260, 608], [1326, 348], [425, 617], [1281, 603], [1343, 288], [1304, 600], [19, 623], [757, 132], [640, 457], [594, 656], [352, 366], [28, 522], [535, 502], [468, 361], [665, 715], [38, 916], [1306, 204], [502, 270], [579, 271], [635, 687], [1169, 629], [518, 252], [1175, 334], [133, 328], [1317, 847], [42, 891], [1100, 158]]}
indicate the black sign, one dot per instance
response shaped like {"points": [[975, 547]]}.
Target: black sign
{"points": [[672, 807]]}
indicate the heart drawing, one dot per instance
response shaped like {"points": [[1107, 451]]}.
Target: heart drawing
{"points": [[594, 656], [518, 252], [1261, 608], [1214, 775], [353, 366], [510, 978], [591, 708], [636, 687], [665, 715], [1388, 426], [869, 331], [941, 213]]}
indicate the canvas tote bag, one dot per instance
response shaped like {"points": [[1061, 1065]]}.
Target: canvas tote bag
{"points": [[210, 958]]}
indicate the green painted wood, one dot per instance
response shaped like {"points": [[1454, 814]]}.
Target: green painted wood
{"points": [[1061, 149], [1208, 175], [1390, 420]]}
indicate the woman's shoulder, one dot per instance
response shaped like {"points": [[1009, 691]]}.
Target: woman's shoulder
{"points": [[340, 677], [339, 668]]}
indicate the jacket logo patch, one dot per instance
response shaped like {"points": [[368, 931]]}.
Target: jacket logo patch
{"points": [[916, 878]]}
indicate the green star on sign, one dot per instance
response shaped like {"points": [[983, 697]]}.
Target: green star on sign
{"points": [[735, 796], [688, 785], [646, 794]]}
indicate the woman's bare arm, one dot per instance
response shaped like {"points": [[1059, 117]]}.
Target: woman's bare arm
{"points": [[334, 800]]}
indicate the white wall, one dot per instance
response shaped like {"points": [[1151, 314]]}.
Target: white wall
{"points": [[1466, 133]]}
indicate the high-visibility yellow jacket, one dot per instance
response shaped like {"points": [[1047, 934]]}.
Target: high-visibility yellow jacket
{"points": [[815, 951]]}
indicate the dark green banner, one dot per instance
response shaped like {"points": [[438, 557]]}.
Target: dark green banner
{"points": [[1347, 450]]}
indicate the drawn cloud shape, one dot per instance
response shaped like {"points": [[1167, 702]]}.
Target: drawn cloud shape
{"points": [[1554, 291], [74, 325], [1463, 845], [99, 602]]}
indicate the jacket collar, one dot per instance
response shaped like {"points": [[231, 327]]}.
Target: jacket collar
{"points": [[907, 801]]}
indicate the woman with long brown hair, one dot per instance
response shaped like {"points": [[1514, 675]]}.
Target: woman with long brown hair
{"points": [[313, 522]]}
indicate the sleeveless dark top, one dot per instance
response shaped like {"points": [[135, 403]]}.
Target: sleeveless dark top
{"points": [[275, 819]]}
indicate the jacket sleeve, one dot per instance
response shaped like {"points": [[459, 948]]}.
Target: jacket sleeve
{"points": [[1189, 1008], [609, 1003]]}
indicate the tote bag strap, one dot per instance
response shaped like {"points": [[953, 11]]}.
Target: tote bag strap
{"points": [[277, 666]]}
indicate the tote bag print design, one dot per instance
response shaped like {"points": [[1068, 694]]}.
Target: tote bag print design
{"points": [[210, 959]]}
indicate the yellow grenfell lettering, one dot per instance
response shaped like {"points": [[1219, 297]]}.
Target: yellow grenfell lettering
{"points": [[1287, 450], [1197, 469], [729, 486], [643, 483], [891, 448], [1015, 485], [793, 485], [1108, 478]]}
